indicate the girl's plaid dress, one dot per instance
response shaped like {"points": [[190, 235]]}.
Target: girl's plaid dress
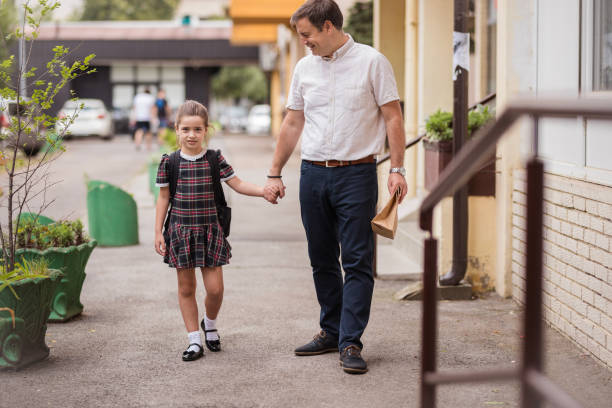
{"points": [[196, 238]]}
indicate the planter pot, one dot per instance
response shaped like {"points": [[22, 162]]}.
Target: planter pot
{"points": [[439, 154], [22, 337], [71, 261], [437, 157]]}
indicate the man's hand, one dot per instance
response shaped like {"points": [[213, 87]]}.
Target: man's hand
{"points": [[273, 190], [396, 181]]}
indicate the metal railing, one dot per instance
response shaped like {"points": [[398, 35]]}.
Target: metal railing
{"points": [[413, 142], [535, 386]]}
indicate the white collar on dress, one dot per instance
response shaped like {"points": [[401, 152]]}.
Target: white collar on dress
{"points": [[193, 158]]}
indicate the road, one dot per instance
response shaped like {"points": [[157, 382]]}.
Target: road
{"points": [[124, 350], [115, 161]]}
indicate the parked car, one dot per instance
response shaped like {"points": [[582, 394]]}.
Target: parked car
{"points": [[259, 120], [234, 119], [93, 120], [121, 120], [30, 141]]}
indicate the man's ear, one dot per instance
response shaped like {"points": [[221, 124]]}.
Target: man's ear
{"points": [[327, 26]]}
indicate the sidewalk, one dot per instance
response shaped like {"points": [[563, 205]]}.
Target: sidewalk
{"points": [[124, 351]]}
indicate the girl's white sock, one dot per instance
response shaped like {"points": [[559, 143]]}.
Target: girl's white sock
{"points": [[194, 338], [211, 325]]}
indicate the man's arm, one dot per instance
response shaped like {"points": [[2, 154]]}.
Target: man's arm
{"points": [[394, 123], [290, 132]]}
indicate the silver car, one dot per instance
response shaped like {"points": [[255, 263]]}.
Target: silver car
{"points": [[92, 120]]}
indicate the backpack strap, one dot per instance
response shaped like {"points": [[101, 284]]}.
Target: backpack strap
{"points": [[213, 161], [174, 163], [173, 167]]}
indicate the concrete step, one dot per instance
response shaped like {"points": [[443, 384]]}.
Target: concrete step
{"points": [[409, 240], [392, 264]]}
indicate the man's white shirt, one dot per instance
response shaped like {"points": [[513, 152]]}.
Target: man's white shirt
{"points": [[341, 98], [143, 103]]}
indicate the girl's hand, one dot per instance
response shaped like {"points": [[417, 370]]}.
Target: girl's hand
{"points": [[160, 244]]}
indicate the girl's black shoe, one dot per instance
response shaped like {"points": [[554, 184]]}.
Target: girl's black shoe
{"points": [[212, 345], [190, 355]]}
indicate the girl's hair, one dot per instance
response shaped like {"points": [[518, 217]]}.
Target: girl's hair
{"points": [[192, 108]]}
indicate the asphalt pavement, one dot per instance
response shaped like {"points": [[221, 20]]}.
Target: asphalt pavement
{"points": [[125, 349]]}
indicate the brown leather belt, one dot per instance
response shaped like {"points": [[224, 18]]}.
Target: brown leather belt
{"points": [[340, 163]]}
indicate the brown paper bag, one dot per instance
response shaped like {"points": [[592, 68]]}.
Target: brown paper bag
{"points": [[385, 222]]}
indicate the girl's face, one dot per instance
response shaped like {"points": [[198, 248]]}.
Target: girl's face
{"points": [[191, 132]]}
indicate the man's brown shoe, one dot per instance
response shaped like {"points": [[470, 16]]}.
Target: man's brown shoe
{"points": [[321, 343], [351, 361]]}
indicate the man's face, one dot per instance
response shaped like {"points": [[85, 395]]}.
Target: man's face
{"points": [[317, 41]]}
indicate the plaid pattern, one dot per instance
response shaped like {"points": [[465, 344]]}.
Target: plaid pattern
{"points": [[196, 238]]}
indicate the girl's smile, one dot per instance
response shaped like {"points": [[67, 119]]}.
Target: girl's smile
{"points": [[191, 131]]}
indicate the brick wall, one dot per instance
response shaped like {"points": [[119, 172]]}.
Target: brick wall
{"points": [[577, 259]]}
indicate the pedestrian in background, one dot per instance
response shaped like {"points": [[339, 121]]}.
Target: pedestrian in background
{"points": [[162, 113], [343, 100], [195, 238], [142, 113]]}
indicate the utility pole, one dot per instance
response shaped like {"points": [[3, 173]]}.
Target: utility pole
{"points": [[22, 54], [461, 55]]}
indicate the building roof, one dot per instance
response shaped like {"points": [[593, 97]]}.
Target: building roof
{"points": [[136, 30]]}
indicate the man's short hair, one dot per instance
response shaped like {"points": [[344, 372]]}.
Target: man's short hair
{"points": [[317, 12]]}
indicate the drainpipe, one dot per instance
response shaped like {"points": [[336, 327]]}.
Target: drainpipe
{"points": [[460, 109]]}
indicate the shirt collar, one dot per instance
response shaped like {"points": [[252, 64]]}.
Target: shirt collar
{"points": [[193, 158], [342, 50]]}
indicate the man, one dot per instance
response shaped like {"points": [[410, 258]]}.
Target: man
{"points": [[343, 100], [142, 111]]}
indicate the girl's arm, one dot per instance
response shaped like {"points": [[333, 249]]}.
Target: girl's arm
{"points": [[163, 200], [244, 187]]}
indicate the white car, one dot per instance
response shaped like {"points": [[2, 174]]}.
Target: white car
{"points": [[259, 120], [94, 119]]}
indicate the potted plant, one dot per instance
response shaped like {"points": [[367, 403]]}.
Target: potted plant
{"points": [[438, 145], [64, 246], [25, 298], [26, 288]]}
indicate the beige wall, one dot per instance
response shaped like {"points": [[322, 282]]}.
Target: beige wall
{"points": [[389, 37], [516, 74]]}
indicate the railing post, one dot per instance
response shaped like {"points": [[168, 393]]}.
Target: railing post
{"points": [[430, 324], [532, 349]]}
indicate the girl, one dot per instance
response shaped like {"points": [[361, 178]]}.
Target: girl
{"points": [[195, 236]]}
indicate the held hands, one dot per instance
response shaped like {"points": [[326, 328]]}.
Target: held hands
{"points": [[396, 181], [160, 244], [273, 190]]}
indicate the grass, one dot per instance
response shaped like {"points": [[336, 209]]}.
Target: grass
{"points": [[38, 268]]}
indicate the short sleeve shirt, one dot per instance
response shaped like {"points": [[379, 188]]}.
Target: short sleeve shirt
{"points": [[341, 98]]}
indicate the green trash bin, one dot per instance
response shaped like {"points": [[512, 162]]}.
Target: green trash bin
{"points": [[153, 166], [112, 214], [41, 219]]}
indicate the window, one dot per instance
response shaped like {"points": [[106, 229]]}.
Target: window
{"points": [[602, 45], [574, 57]]}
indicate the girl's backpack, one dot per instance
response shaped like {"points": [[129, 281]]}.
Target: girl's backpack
{"points": [[224, 213]]}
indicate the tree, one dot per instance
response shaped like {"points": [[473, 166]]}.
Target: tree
{"points": [[128, 10], [8, 17], [240, 82], [360, 22], [29, 119]]}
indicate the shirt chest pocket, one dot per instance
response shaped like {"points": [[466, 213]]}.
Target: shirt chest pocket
{"points": [[356, 98]]}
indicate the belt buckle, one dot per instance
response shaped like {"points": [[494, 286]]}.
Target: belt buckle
{"points": [[327, 163]]}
